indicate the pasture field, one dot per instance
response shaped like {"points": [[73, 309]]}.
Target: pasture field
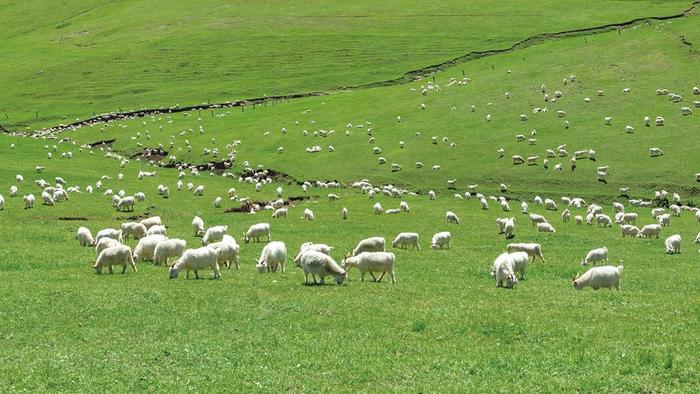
{"points": [[444, 326], [67, 60]]}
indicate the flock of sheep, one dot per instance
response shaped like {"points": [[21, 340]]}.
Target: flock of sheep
{"points": [[219, 248]]}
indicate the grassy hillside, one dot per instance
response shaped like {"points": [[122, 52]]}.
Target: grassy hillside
{"points": [[67, 60], [444, 326]]}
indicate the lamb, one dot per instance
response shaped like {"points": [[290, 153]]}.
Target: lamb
{"points": [[228, 251], [629, 229], [308, 214], [198, 226], [599, 277], [109, 233], [603, 221], [103, 244], [372, 262], [404, 239], [673, 244], [322, 265], [441, 239], [137, 230], [115, 255], [451, 217], [536, 219], [649, 230], [84, 237], [520, 260], [146, 247], [157, 229], [509, 228], [152, 221], [545, 228], [274, 254], [194, 260], [280, 213], [595, 255], [502, 271], [256, 231], [373, 244], [168, 248], [214, 234], [126, 204]]}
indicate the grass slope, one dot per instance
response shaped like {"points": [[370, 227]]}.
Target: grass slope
{"points": [[68, 60]]}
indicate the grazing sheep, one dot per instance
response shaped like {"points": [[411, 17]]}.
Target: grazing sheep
{"points": [[344, 213], [655, 152], [517, 160], [545, 228], [550, 205], [595, 255], [126, 204], [599, 277], [84, 237], [373, 244], [308, 214], [629, 229], [451, 217], [656, 212], [168, 248], [523, 207], [47, 198], [404, 239], [198, 226], [484, 203], [532, 249], [578, 219], [673, 244], [146, 247], [199, 191], [503, 271], [115, 255], [152, 221], [256, 231], [501, 223], [157, 229], [322, 265], [603, 221], [431, 195], [649, 230], [274, 254], [214, 234], [565, 215], [378, 210], [227, 250], [280, 213], [509, 228], [137, 230], [109, 233], [441, 239], [372, 262], [664, 220], [103, 244], [628, 218], [194, 260]]}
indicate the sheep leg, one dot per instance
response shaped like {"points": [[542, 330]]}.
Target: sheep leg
{"points": [[110, 269], [381, 276], [306, 278], [196, 274], [362, 276], [283, 268], [393, 276], [323, 280], [374, 278], [123, 269]]}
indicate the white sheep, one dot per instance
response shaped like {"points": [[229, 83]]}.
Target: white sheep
{"points": [[322, 265], [168, 248], [545, 228], [599, 277], [523, 207], [404, 239], [126, 204], [550, 205], [452, 217], [649, 230], [145, 249], [484, 203], [47, 198], [228, 251], [595, 255], [629, 229], [198, 226], [137, 230], [536, 219], [256, 231], [115, 255], [532, 249], [378, 210], [214, 234], [431, 195], [344, 213], [509, 228], [194, 260], [373, 244], [84, 237], [578, 219], [157, 229], [273, 255], [565, 215], [520, 260], [673, 244], [441, 239], [308, 214], [199, 191], [664, 220], [372, 262], [280, 213], [603, 221], [503, 271], [109, 233], [103, 244], [655, 152]]}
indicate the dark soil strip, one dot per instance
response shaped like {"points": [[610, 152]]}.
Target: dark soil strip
{"points": [[407, 77]]}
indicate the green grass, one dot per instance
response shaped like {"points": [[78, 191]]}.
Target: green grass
{"points": [[69, 60], [444, 326]]}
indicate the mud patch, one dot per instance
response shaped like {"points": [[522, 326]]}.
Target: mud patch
{"points": [[76, 218], [150, 154], [102, 144], [245, 208]]}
